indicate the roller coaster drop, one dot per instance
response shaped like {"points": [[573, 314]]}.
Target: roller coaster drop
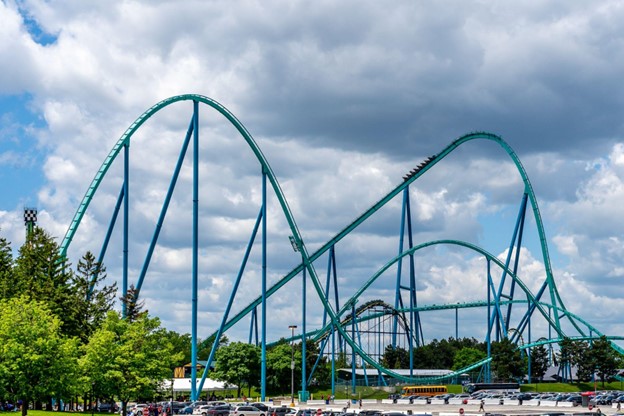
{"points": [[394, 324]]}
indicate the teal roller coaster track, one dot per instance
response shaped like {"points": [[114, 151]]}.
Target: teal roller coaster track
{"points": [[345, 322]]}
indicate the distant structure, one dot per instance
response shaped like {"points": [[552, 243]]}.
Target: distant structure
{"points": [[30, 219]]}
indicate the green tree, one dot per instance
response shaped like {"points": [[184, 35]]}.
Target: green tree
{"points": [[278, 367], [584, 361], [6, 269], [134, 306], [205, 346], [322, 374], [539, 362], [395, 357], [36, 361], [572, 354], [238, 363], [128, 360], [181, 344], [606, 359], [42, 273], [90, 302], [466, 357], [507, 361], [441, 354]]}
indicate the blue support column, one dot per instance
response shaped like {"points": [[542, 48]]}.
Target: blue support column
{"points": [[521, 218], [332, 253], [264, 288], [488, 337], [109, 232], [303, 332], [167, 201], [456, 324], [228, 307], [333, 361], [194, 392], [359, 340], [397, 295], [124, 284], [353, 349]]}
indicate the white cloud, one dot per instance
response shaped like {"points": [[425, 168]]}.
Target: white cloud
{"points": [[342, 111]]}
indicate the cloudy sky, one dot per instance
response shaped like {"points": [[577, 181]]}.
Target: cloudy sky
{"points": [[343, 98]]}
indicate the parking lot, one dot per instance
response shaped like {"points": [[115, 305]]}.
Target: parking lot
{"points": [[470, 409]]}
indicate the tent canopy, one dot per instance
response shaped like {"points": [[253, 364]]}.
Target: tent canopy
{"points": [[184, 384]]}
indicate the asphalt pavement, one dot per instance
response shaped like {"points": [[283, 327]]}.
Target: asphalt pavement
{"points": [[469, 409]]}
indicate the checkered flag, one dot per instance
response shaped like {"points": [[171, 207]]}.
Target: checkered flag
{"points": [[30, 215]]}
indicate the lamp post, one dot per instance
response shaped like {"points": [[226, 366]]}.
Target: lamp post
{"points": [[292, 365]]}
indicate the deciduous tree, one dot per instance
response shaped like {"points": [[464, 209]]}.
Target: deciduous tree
{"points": [[128, 360], [238, 363], [466, 357], [36, 361]]}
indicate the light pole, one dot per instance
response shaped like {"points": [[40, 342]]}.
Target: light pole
{"points": [[292, 365]]}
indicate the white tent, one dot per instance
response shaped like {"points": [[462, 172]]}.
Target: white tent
{"points": [[184, 384]]}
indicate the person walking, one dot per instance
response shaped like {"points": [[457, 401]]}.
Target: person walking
{"points": [[481, 406]]}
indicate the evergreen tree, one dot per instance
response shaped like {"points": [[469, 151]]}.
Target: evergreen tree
{"points": [[395, 357], [134, 306], [6, 269], [90, 303], [584, 360], [606, 359], [507, 361], [539, 362], [42, 273]]}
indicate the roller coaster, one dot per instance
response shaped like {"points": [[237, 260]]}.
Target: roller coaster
{"points": [[351, 323]]}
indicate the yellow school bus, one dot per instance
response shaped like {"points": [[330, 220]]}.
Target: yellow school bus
{"points": [[408, 391]]}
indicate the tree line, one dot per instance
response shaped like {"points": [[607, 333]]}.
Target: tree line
{"points": [[61, 339]]}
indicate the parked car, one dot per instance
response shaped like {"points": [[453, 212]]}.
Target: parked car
{"points": [[280, 411], [260, 406], [246, 411], [576, 399], [370, 412], [137, 409], [202, 410], [306, 412], [107, 407], [223, 410]]}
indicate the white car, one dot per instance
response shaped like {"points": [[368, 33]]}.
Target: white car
{"points": [[201, 410], [137, 409], [246, 411]]}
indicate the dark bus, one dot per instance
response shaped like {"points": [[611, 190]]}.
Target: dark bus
{"points": [[495, 387]]}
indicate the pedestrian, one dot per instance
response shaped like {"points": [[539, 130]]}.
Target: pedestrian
{"points": [[619, 406], [360, 402], [481, 408]]}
